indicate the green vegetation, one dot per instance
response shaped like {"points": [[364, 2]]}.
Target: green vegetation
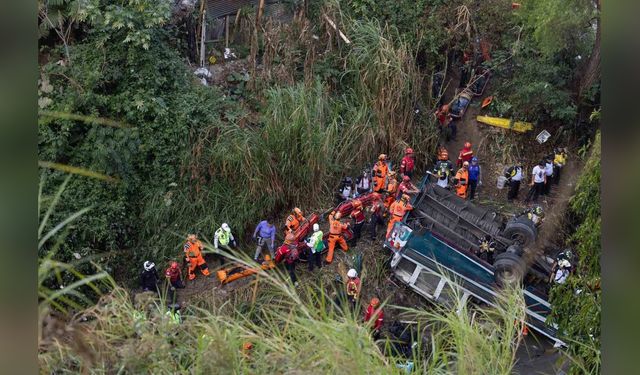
{"points": [[578, 302], [155, 154]]}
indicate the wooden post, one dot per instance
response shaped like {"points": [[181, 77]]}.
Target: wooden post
{"points": [[226, 31], [199, 27], [204, 31], [260, 10]]}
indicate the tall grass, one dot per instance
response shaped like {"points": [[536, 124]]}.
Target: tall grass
{"points": [[292, 331], [309, 136]]}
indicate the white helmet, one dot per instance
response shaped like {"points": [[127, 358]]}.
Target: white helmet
{"points": [[316, 227], [564, 263], [225, 227], [352, 273], [148, 265]]}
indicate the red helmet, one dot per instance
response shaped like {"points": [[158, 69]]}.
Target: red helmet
{"points": [[174, 264], [409, 150], [357, 204], [375, 302], [467, 145], [406, 178]]}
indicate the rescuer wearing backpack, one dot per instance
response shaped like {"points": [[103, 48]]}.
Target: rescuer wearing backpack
{"points": [[316, 246]]}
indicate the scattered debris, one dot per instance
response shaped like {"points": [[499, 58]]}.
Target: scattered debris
{"points": [[543, 136]]}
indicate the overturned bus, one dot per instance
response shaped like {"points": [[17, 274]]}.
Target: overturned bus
{"points": [[436, 244]]}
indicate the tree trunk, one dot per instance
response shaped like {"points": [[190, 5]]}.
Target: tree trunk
{"points": [[592, 70]]}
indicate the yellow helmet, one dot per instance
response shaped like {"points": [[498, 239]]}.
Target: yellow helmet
{"points": [[297, 211], [405, 197], [382, 157], [192, 238]]}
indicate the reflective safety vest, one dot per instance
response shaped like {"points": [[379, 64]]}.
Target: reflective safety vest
{"points": [[487, 246], [316, 242], [292, 223], [223, 236], [352, 287]]}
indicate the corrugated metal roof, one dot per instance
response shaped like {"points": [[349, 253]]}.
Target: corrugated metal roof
{"points": [[221, 8]]}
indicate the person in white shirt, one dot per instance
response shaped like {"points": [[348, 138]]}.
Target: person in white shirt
{"points": [[514, 175], [548, 171], [538, 178]]}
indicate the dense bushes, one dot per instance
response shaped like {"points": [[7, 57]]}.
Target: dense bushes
{"points": [[577, 303]]}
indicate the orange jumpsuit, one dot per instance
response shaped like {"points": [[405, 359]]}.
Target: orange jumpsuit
{"points": [[463, 178], [378, 183], [193, 252], [397, 211], [292, 223], [335, 236], [392, 190], [382, 167]]}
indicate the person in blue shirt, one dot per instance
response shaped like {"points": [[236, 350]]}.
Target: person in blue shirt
{"points": [[474, 177], [265, 234]]}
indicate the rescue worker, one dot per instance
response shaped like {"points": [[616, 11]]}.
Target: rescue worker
{"points": [[559, 160], [266, 236], [475, 178], [379, 182], [335, 234], [357, 214], [381, 166], [486, 248], [406, 187], [149, 277], [316, 245], [561, 271], [548, 171], [363, 183], [223, 238], [538, 178], [291, 257], [397, 211], [392, 189], [193, 254], [353, 287], [374, 314], [535, 214], [174, 275], [442, 115], [294, 220], [465, 154], [408, 163], [461, 180], [443, 154], [377, 210], [514, 175], [442, 171]]}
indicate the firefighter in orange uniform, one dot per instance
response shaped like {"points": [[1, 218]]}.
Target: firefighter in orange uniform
{"points": [[397, 210], [335, 234], [294, 220], [461, 180], [193, 253], [381, 166], [392, 190]]}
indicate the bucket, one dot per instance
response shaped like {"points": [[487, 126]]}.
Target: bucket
{"points": [[502, 180]]}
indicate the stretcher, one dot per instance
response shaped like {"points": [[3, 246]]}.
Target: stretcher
{"points": [[519, 126], [238, 271]]}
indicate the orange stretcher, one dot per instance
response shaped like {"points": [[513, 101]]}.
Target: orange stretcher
{"points": [[239, 271]]}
